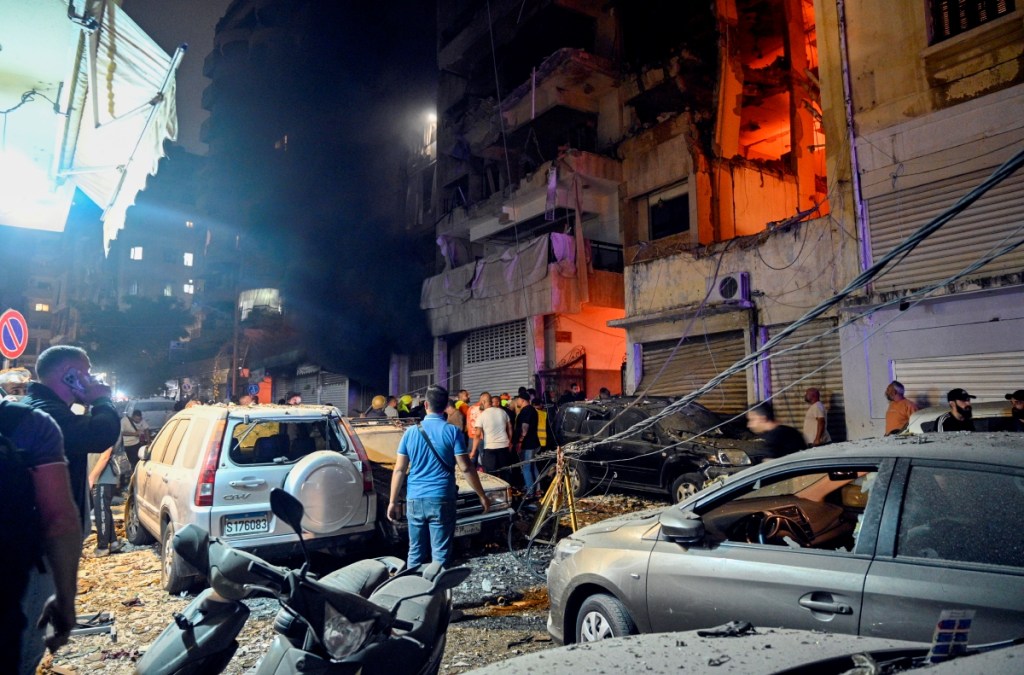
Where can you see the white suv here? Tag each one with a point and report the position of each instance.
(214, 466)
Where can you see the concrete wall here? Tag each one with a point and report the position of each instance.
(898, 76)
(551, 295)
(811, 261)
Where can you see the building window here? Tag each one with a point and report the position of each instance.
(665, 213)
(952, 17)
(187, 259)
(169, 290)
(189, 288)
(189, 224)
(133, 288)
(42, 307)
(135, 253)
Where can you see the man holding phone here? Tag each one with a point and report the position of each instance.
(63, 380)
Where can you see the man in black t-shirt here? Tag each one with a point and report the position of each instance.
(959, 416)
(525, 442)
(779, 440)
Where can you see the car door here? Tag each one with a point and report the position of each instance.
(164, 476)
(951, 539)
(733, 576)
(636, 459)
(146, 493)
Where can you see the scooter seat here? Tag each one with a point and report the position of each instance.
(423, 612)
(361, 578)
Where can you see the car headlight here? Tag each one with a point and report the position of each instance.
(733, 458)
(500, 499)
(341, 636)
(566, 548)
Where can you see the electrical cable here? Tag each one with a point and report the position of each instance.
(923, 295)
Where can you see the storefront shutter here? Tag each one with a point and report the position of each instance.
(988, 376)
(988, 223)
(334, 391)
(695, 362)
(495, 359)
(788, 368)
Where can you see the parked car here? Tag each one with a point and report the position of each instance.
(380, 438)
(215, 466)
(987, 416)
(155, 411)
(661, 459)
(763, 651)
(873, 538)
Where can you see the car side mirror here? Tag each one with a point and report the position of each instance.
(144, 453)
(682, 527)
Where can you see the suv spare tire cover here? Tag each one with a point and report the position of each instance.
(330, 488)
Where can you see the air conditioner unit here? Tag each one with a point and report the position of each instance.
(731, 288)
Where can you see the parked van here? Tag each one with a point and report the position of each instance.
(215, 466)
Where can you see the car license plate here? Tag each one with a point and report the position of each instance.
(246, 523)
(467, 529)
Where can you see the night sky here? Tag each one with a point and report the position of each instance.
(334, 225)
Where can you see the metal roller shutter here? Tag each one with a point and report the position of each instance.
(984, 225)
(787, 368)
(309, 387)
(697, 361)
(334, 391)
(988, 376)
(496, 360)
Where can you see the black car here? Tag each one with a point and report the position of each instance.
(660, 459)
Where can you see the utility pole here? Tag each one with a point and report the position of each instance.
(234, 347)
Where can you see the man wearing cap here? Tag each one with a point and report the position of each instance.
(1016, 400)
(959, 416)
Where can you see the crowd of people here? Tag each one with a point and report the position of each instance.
(502, 433)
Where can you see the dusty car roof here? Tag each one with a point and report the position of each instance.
(1004, 448)
(221, 410)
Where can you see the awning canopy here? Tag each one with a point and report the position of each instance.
(89, 101)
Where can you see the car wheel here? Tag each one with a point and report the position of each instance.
(685, 486)
(602, 617)
(579, 477)
(172, 576)
(133, 529)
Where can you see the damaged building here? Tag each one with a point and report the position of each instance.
(714, 171)
(678, 155)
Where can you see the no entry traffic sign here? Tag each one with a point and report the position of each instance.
(13, 334)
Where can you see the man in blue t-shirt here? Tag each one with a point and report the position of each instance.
(428, 454)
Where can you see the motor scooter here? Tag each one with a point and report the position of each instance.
(366, 617)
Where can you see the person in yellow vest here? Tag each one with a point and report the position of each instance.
(542, 423)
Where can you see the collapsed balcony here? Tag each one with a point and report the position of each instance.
(538, 277)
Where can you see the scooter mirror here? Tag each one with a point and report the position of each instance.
(192, 543)
(287, 507)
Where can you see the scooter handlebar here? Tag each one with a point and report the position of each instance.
(234, 572)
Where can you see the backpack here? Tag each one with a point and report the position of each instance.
(20, 521)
